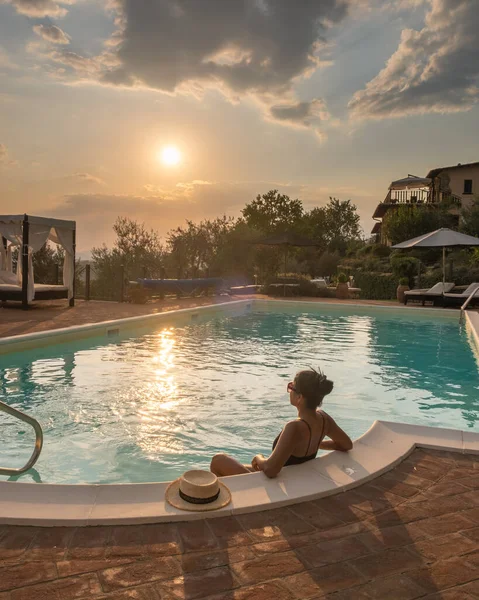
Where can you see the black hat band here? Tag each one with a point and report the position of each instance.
(193, 500)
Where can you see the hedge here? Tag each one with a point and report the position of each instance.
(376, 286)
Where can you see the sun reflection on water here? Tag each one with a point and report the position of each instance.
(159, 396)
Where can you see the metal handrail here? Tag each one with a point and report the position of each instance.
(464, 306)
(38, 438)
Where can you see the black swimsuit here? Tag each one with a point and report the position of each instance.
(298, 460)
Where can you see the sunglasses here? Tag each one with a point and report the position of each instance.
(290, 387)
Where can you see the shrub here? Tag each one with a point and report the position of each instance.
(327, 264)
(403, 281)
(342, 278)
(404, 266)
(381, 250)
(376, 286)
(137, 295)
(306, 288)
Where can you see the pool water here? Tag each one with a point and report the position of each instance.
(151, 406)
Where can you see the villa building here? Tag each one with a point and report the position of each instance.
(457, 185)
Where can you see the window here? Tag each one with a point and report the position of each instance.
(467, 186)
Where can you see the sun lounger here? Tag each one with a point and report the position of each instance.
(459, 299)
(434, 294)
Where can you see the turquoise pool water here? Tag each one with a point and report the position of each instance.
(148, 407)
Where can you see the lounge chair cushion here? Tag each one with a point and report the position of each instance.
(440, 288)
(474, 287)
(470, 288)
(436, 290)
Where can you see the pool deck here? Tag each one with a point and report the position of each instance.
(411, 533)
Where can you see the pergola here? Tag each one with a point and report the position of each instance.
(28, 234)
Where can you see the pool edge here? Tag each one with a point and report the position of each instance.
(379, 450)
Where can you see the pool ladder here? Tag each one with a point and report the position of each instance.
(464, 306)
(38, 438)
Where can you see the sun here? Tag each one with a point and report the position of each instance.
(170, 156)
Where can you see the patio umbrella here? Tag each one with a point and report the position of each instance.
(287, 240)
(444, 238)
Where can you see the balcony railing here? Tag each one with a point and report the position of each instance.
(408, 197)
(419, 197)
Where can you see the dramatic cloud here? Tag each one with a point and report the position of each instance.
(435, 69)
(247, 47)
(52, 33)
(40, 8)
(301, 114)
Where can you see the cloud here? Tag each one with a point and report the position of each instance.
(247, 45)
(301, 114)
(5, 160)
(40, 8)
(52, 33)
(245, 49)
(87, 178)
(434, 70)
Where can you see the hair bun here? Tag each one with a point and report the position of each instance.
(324, 384)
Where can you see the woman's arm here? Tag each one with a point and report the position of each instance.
(272, 465)
(339, 439)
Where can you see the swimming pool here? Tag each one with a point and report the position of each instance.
(153, 404)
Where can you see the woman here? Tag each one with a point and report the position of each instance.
(300, 440)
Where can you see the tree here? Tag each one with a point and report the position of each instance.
(136, 249)
(409, 221)
(47, 263)
(273, 212)
(140, 249)
(193, 250)
(470, 219)
(333, 226)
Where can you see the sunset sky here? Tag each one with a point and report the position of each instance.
(316, 98)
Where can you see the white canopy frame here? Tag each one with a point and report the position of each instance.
(30, 233)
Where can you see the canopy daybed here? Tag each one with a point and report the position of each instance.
(28, 234)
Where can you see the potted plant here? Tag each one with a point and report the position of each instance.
(402, 287)
(342, 289)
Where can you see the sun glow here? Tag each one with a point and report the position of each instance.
(170, 156)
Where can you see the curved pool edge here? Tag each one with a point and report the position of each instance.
(115, 327)
(379, 450)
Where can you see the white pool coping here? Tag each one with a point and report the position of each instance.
(380, 449)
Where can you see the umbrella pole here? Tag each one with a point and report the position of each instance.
(443, 267)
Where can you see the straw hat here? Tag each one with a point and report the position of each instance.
(198, 491)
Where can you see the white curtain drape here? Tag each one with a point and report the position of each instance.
(64, 237)
(14, 234)
(31, 281)
(37, 236)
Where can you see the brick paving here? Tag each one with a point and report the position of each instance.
(412, 533)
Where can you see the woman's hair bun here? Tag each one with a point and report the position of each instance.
(326, 387)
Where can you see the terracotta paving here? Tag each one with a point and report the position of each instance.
(55, 314)
(412, 533)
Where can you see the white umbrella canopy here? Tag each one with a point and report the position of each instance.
(410, 183)
(441, 238)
